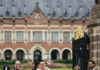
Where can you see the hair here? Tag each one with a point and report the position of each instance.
(76, 67)
(42, 61)
(36, 65)
(92, 62)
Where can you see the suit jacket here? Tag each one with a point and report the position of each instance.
(7, 68)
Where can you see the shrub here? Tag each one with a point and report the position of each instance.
(67, 61)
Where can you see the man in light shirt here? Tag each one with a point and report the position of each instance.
(91, 65)
(6, 67)
(43, 66)
(17, 65)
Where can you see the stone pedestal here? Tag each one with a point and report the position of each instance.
(94, 33)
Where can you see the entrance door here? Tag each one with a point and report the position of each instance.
(8, 54)
(37, 56)
(20, 55)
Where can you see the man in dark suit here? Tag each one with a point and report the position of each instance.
(6, 67)
(91, 65)
(17, 65)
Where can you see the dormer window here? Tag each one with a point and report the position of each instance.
(65, 14)
(69, 6)
(87, 14)
(1, 5)
(7, 13)
(19, 13)
(76, 14)
(80, 6)
(54, 14)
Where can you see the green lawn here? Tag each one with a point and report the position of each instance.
(53, 68)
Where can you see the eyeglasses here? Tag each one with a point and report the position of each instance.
(42, 64)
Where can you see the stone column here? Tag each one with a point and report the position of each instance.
(61, 56)
(94, 33)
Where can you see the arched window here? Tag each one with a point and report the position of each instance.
(76, 14)
(7, 13)
(54, 14)
(65, 14)
(19, 13)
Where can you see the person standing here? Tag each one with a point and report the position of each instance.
(6, 67)
(36, 66)
(17, 65)
(91, 65)
(43, 66)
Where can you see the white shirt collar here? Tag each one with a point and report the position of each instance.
(93, 69)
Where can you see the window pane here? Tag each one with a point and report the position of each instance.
(19, 36)
(66, 36)
(54, 36)
(8, 36)
(37, 36)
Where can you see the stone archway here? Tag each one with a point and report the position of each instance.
(66, 53)
(20, 55)
(8, 55)
(37, 47)
(37, 56)
(18, 52)
(55, 54)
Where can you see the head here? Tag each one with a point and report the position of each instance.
(77, 68)
(37, 65)
(91, 64)
(42, 64)
(17, 65)
(6, 64)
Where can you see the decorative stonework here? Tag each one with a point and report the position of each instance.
(94, 33)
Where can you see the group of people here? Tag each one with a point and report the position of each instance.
(91, 66)
(38, 66)
(42, 66)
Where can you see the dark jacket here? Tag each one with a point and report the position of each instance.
(7, 68)
(34, 69)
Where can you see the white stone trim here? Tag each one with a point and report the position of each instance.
(55, 48)
(20, 49)
(66, 48)
(8, 48)
(37, 47)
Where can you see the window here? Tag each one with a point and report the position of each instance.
(8, 36)
(29, 37)
(65, 14)
(37, 36)
(20, 36)
(87, 14)
(54, 36)
(76, 14)
(7, 13)
(66, 36)
(45, 36)
(19, 13)
(54, 14)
